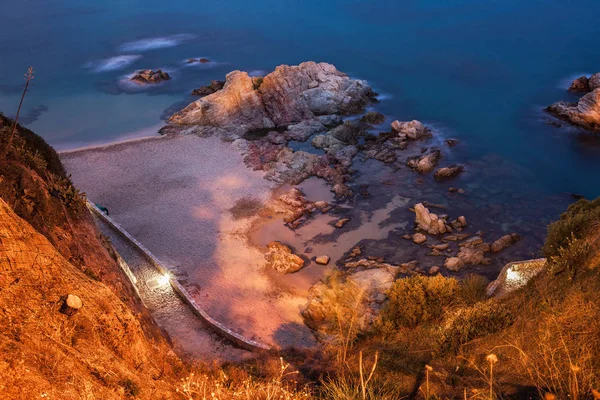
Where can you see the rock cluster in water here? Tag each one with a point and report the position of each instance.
(149, 76)
(586, 111)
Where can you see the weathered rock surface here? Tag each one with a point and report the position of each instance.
(323, 260)
(71, 304)
(149, 76)
(198, 60)
(584, 113)
(281, 258)
(214, 86)
(429, 222)
(449, 172)
(238, 104)
(414, 130)
(580, 84)
(288, 95)
(465, 257)
(505, 242)
(419, 238)
(426, 162)
(373, 117)
(515, 275)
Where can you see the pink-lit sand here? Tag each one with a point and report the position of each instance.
(174, 195)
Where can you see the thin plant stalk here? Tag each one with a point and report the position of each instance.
(28, 78)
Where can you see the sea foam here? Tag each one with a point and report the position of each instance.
(113, 63)
(155, 43)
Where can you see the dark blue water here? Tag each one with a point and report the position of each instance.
(480, 70)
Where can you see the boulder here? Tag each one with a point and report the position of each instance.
(505, 242)
(149, 76)
(71, 304)
(198, 60)
(466, 256)
(580, 84)
(515, 275)
(295, 93)
(414, 129)
(281, 258)
(426, 162)
(434, 270)
(419, 238)
(323, 260)
(449, 172)
(341, 222)
(429, 222)
(214, 86)
(584, 113)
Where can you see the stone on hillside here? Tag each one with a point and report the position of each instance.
(505, 242)
(71, 304)
(434, 270)
(281, 258)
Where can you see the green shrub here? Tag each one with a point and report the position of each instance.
(576, 221)
(470, 323)
(571, 257)
(418, 299)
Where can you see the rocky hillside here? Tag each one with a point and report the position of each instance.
(50, 248)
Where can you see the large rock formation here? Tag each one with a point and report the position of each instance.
(281, 258)
(238, 104)
(586, 111)
(429, 222)
(288, 95)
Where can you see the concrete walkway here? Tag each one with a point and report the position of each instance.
(189, 334)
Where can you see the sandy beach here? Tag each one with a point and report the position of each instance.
(174, 195)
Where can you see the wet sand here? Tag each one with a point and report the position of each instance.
(174, 195)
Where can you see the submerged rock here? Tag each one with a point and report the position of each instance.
(505, 242)
(426, 162)
(373, 117)
(449, 172)
(323, 260)
(149, 76)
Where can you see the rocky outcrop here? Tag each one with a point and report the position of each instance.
(505, 242)
(280, 258)
(238, 104)
(214, 86)
(414, 130)
(584, 113)
(426, 162)
(149, 76)
(288, 95)
(373, 117)
(429, 222)
(449, 172)
(198, 60)
(515, 275)
(580, 84)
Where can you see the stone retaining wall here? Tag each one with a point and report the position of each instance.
(216, 326)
